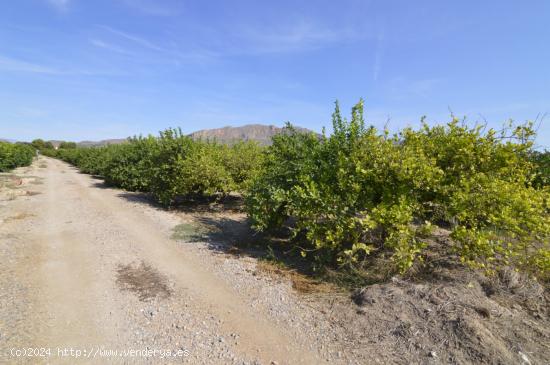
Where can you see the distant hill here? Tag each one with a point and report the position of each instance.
(101, 143)
(251, 132)
(55, 143)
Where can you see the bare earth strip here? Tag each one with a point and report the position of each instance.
(94, 272)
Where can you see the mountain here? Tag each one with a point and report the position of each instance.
(55, 143)
(101, 143)
(251, 132)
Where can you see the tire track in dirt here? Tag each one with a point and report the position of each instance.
(88, 254)
(258, 335)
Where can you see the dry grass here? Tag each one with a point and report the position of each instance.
(34, 180)
(300, 282)
(10, 181)
(19, 216)
(10, 195)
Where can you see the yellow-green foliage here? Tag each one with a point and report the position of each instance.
(169, 166)
(359, 190)
(541, 161)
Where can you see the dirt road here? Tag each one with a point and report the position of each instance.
(87, 270)
(91, 274)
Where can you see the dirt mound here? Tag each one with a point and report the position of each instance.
(459, 317)
(441, 313)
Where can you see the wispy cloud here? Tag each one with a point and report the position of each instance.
(171, 53)
(110, 47)
(136, 39)
(61, 5)
(11, 64)
(298, 36)
(16, 65)
(156, 7)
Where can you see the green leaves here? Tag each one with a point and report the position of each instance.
(359, 191)
(541, 164)
(170, 166)
(14, 155)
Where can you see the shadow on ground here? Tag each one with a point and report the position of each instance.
(222, 224)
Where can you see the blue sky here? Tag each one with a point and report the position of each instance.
(78, 69)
